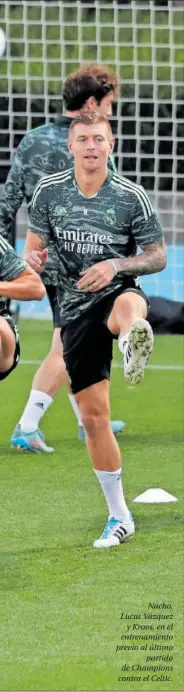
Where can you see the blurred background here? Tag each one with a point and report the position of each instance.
(143, 43)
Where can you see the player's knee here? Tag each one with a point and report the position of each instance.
(126, 303)
(131, 305)
(57, 364)
(94, 422)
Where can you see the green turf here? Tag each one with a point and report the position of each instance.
(61, 601)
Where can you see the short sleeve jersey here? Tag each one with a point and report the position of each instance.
(111, 223)
(10, 267)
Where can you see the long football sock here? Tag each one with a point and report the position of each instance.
(111, 485)
(37, 405)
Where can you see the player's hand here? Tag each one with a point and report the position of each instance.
(96, 277)
(37, 260)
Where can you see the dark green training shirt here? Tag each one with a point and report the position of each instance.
(43, 151)
(10, 267)
(84, 230)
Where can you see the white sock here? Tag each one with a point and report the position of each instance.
(36, 406)
(122, 341)
(75, 408)
(111, 485)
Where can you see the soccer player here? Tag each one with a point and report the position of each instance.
(44, 151)
(96, 221)
(20, 282)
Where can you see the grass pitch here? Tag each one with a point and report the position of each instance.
(61, 600)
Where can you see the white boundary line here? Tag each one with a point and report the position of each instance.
(115, 365)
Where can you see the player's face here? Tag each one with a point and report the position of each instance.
(91, 145)
(105, 105)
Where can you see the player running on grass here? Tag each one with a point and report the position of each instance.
(44, 151)
(20, 282)
(96, 221)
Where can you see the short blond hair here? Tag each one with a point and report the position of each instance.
(89, 118)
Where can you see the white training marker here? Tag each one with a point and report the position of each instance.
(155, 495)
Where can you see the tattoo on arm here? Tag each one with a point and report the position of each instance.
(152, 259)
(43, 241)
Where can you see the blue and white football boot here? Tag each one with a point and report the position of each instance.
(115, 533)
(32, 441)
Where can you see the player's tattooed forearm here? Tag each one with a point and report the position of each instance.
(152, 259)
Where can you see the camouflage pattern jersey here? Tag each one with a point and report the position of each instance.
(84, 230)
(10, 267)
(42, 151)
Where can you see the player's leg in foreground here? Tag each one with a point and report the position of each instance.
(135, 336)
(127, 318)
(9, 346)
(106, 459)
(87, 348)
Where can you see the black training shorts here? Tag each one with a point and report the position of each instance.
(87, 342)
(52, 296)
(16, 357)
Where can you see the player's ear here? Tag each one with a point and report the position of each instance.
(90, 104)
(112, 143)
(69, 145)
